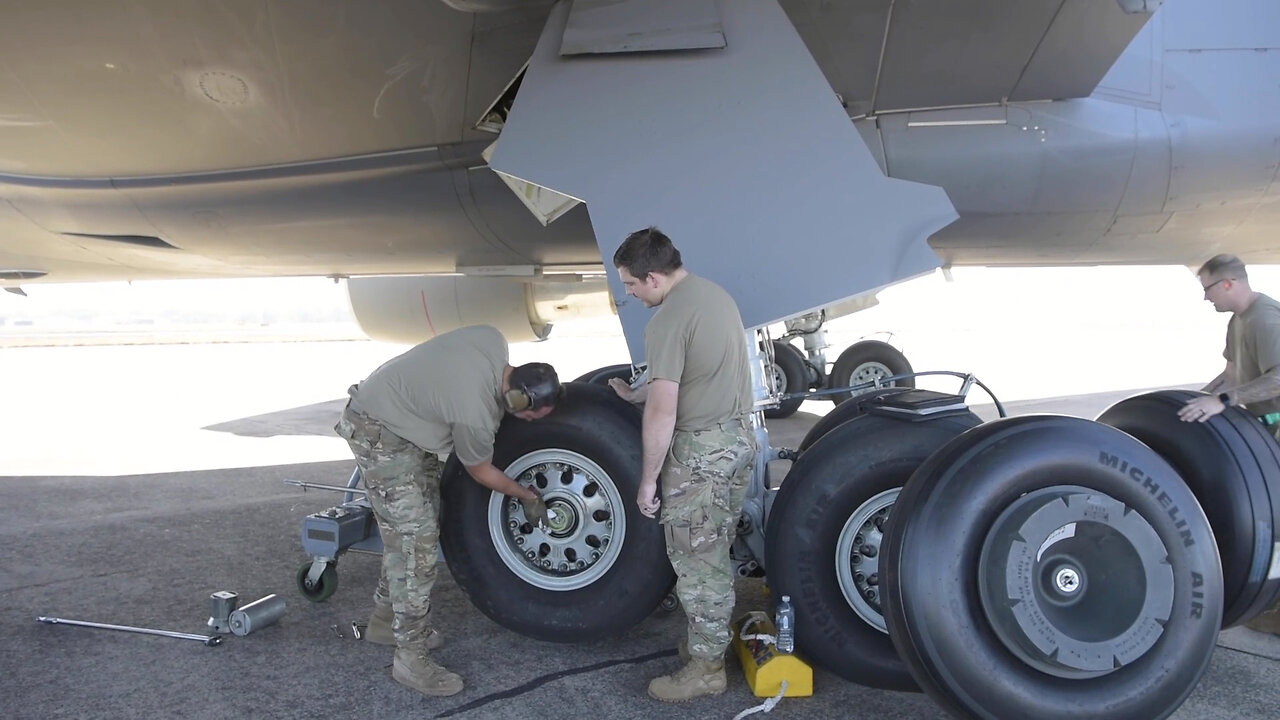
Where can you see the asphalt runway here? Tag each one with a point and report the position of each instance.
(138, 481)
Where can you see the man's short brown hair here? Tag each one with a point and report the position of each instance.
(647, 251)
(1224, 266)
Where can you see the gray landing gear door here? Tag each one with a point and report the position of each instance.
(741, 153)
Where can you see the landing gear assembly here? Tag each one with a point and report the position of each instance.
(866, 361)
(1039, 566)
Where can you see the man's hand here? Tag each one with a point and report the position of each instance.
(1201, 409)
(648, 499)
(535, 509)
(624, 390)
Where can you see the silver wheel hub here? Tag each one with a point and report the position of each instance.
(585, 527)
(779, 378)
(858, 557)
(869, 372)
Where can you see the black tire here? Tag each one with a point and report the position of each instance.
(838, 492)
(601, 376)
(324, 588)
(1229, 463)
(1135, 640)
(844, 412)
(609, 566)
(868, 360)
(792, 376)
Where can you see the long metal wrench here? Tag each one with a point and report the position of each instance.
(209, 640)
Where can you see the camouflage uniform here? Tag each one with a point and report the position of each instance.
(704, 482)
(403, 481)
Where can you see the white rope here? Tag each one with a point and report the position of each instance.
(766, 706)
(769, 704)
(764, 637)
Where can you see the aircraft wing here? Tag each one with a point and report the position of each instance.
(187, 139)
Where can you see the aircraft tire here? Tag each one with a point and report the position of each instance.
(600, 566)
(1231, 464)
(1051, 567)
(845, 412)
(789, 368)
(602, 375)
(833, 503)
(867, 360)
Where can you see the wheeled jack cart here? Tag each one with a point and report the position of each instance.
(327, 534)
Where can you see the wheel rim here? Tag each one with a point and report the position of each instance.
(858, 557)
(1039, 563)
(779, 378)
(869, 372)
(583, 541)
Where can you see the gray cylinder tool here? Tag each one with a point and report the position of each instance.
(221, 605)
(257, 615)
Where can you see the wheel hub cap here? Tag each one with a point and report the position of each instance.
(1075, 583)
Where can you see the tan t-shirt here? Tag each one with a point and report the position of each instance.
(696, 339)
(1253, 344)
(443, 395)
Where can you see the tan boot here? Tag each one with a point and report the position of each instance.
(414, 669)
(1267, 622)
(696, 679)
(379, 632)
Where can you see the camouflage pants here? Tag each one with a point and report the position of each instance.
(403, 481)
(704, 481)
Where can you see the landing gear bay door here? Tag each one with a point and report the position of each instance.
(717, 126)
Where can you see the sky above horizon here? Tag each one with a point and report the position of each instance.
(1035, 285)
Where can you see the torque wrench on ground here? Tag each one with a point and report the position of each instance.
(206, 639)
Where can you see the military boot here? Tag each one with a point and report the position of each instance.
(414, 669)
(1267, 622)
(696, 679)
(379, 632)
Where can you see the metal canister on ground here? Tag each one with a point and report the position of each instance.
(257, 614)
(221, 605)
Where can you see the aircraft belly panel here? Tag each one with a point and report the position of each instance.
(1223, 111)
(155, 87)
(742, 155)
(1221, 24)
(1147, 189)
(1067, 157)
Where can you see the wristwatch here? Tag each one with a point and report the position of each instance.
(1225, 399)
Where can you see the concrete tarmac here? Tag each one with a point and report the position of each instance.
(147, 547)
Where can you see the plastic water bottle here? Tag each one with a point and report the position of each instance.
(785, 620)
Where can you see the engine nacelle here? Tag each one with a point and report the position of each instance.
(412, 308)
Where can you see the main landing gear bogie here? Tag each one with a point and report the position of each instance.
(1041, 566)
